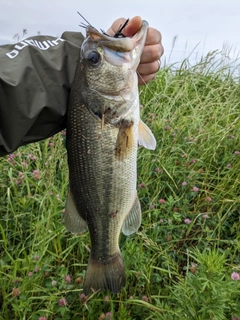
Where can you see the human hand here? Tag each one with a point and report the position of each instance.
(152, 52)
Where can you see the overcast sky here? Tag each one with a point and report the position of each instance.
(207, 24)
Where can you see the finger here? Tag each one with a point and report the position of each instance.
(151, 53)
(153, 36)
(148, 68)
(131, 28)
(115, 26)
(142, 79)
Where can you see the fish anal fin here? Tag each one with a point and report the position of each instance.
(145, 136)
(133, 220)
(103, 275)
(72, 219)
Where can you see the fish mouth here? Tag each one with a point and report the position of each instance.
(125, 44)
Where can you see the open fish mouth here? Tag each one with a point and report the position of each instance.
(125, 44)
(118, 50)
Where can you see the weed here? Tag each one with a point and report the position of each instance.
(184, 262)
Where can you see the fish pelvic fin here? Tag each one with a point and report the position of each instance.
(72, 219)
(146, 137)
(133, 220)
(105, 275)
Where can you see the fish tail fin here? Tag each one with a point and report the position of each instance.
(105, 275)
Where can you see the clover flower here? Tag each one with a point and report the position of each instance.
(67, 279)
(187, 221)
(235, 276)
(62, 302)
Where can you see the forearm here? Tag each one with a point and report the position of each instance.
(35, 80)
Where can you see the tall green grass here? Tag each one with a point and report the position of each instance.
(182, 262)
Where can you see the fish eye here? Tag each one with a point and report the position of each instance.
(94, 57)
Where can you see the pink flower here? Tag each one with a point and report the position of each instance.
(145, 298)
(54, 283)
(30, 274)
(51, 144)
(35, 174)
(62, 302)
(228, 165)
(187, 221)
(237, 152)
(24, 163)
(67, 279)
(184, 183)
(205, 216)
(208, 199)
(195, 189)
(30, 156)
(141, 185)
(16, 292)
(36, 269)
(161, 220)
(83, 298)
(235, 276)
(108, 316)
(162, 201)
(10, 158)
(42, 318)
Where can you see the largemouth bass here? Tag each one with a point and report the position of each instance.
(103, 133)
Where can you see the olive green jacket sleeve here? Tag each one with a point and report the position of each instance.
(35, 80)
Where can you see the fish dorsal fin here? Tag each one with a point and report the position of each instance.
(72, 219)
(146, 137)
(133, 220)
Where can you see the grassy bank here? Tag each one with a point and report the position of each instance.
(185, 260)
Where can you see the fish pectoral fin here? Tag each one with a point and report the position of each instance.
(72, 219)
(133, 220)
(146, 137)
(125, 139)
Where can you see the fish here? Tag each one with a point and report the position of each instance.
(104, 130)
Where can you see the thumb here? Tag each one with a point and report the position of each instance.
(131, 28)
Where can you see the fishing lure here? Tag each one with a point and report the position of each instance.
(118, 34)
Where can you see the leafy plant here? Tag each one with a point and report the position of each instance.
(184, 262)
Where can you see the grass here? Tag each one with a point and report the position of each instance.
(183, 261)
